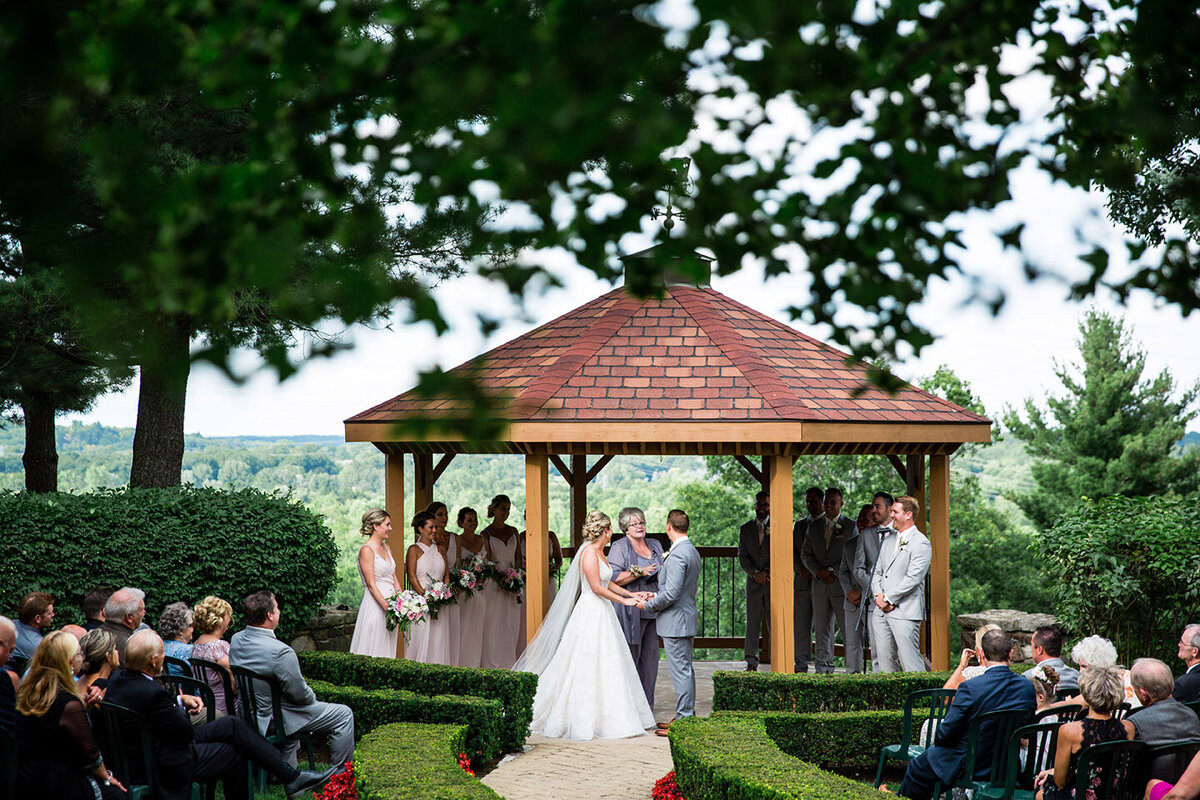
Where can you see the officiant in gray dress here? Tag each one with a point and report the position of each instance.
(635, 561)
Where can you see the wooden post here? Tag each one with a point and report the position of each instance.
(393, 498)
(939, 568)
(579, 507)
(916, 488)
(537, 542)
(783, 634)
(422, 480)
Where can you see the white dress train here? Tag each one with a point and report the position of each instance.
(590, 687)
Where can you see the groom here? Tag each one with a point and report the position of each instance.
(675, 605)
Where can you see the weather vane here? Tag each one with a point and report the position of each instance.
(680, 186)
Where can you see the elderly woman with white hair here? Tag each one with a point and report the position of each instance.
(635, 560)
(1096, 651)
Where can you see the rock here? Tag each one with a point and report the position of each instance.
(304, 644)
(1010, 620)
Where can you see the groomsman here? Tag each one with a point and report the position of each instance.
(898, 590)
(754, 556)
(858, 564)
(852, 607)
(814, 500)
(822, 556)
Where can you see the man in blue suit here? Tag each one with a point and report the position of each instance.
(997, 688)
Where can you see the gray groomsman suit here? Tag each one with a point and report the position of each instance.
(675, 605)
(858, 559)
(754, 556)
(828, 599)
(258, 650)
(900, 575)
(802, 597)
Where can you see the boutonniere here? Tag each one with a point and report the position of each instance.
(901, 541)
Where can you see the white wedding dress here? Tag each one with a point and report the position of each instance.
(588, 686)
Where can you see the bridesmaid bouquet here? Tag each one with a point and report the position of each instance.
(438, 596)
(406, 609)
(512, 580)
(478, 565)
(465, 582)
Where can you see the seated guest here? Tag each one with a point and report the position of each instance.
(1096, 651)
(34, 615)
(1162, 718)
(1186, 788)
(58, 758)
(9, 679)
(1187, 685)
(175, 627)
(75, 630)
(965, 669)
(1045, 683)
(997, 688)
(123, 613)
(211, 618)
(1046, 648)
(99, 660)
(184, 753)
(93, 606)
(1102, 691)
(255, 648)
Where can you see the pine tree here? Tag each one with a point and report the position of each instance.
(1111, 432)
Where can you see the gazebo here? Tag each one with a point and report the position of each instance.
(692, 372)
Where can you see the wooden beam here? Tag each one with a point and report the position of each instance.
(898, 465)
(422, 480)
(393, 498)
(748, 465)
(537, 542)
(939, 568)
(915, 485)
(783, 634)
(443, 462)
(562, 469)
(579, 507)
(595, 470)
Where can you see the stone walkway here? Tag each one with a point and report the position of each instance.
(620, 769)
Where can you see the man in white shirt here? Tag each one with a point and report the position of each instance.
(898, 591)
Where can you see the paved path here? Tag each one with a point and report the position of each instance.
(620, 769)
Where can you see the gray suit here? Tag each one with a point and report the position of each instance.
(1068, 677)
(859, 554)
(257, 649)
(754, 556)
(900, 576)
(828, 599)
(802, 596)
(1163, 721)
(675, 605)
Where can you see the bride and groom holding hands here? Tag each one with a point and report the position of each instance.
(588, 686)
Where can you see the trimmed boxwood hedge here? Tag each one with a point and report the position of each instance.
(731, 757)
(513, 690)
(406, 761)
(175, 544)
(841, 741)
(805, 693)
(374, 707)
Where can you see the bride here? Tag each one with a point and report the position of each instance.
(588, 686)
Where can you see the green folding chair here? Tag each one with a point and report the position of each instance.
(1006, 721)
(249, 706)
(1041, 748)
(128, 749)
(1168, 760)
(1121, 767)
(930, 705)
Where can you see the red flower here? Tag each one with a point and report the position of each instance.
(464, 761)
(341, 786)
(666, 788)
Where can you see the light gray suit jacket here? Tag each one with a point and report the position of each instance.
(257, 649)
(859, 555)
(900, 574)
(675, 602)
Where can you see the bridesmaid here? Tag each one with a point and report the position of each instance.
(641, 634)
(502, 622)
(377, 569)
(447, 542)
(471, 618)
(424, 561)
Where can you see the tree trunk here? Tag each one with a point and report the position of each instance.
(41, 450)
(162, 397)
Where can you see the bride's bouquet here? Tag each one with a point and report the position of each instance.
(406, 609)
(438, 596)
(512, 580)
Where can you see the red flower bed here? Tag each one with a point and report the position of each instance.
(666, 788)
(464, 761)
(341, 786)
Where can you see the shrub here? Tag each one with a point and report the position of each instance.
(513, 690)
(848, 740)
(731, 757)
(405, 761)
(1126, 568)
(374, 707)
(175, 544)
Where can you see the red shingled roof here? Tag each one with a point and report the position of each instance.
(695, 354)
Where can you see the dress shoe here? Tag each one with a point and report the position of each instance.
(307, 780)
(663, 732)
(751, 668)
(662, 726)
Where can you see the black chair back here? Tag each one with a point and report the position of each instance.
(1118, 766)
(1057, 715)
(924, 705)
(211, 672)
(128, 750)
(1041, 742)
(1194, 705)
(1168, 760)
(1065, 694)
(181, 684)
(8, 763)
(1003, 723)
(177, 666)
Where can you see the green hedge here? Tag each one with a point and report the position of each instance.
(807, 693)
(405, 761)
(842, 741)
(175, 544)
(731, 757)
(375, 707)
(513, 690)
